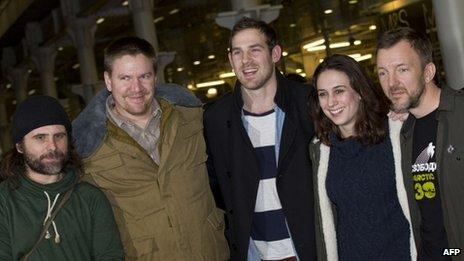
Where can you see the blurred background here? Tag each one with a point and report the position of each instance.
(55, 47)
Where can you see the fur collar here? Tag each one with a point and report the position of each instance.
(327, 215)
(89, 128)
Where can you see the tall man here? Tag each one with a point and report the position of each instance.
(148, 155)
(42, 177)
(258, 162)
(432, 140)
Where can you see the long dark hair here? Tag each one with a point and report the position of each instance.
(373, 108)
(14, 166)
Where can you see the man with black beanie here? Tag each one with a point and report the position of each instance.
(46, 213)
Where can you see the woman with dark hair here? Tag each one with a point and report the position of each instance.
(360, 198)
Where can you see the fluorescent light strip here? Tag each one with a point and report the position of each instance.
(364, 57)
(315, 43)
(226, 75)
(208, 84)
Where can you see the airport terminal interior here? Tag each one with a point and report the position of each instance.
(55, 47)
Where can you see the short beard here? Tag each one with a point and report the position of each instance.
(50, 169)
(412, 102)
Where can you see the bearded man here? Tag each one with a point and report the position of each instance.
(46, 213)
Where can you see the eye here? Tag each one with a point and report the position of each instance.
(321, 94)
(381, 73)
(40, 137)
(146, 76)
(255, 50)
(236, 52)
(338, 91)
(61, 135)
(403, 69)
(125, 78)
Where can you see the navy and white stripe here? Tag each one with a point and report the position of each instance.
(269, 230)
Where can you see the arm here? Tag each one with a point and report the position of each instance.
(5, 245)
(106, 240)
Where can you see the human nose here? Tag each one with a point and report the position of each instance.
(245, 57)
(392, 80)
(331, 100)
(51, 144)
(136, 84)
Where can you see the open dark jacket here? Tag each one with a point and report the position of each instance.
(450, 159)
(234, 170)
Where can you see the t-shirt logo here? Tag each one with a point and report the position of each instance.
(424, 174)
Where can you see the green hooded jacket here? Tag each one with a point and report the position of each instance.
(85, 224)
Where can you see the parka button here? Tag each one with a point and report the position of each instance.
(229, 175)
(234, 246)
(231, 211)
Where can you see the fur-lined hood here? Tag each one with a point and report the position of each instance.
(89, 128)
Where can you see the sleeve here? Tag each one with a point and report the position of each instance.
(106, 239)
(5, 243)
(213, 180)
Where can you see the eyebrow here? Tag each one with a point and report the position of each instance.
(251, 46)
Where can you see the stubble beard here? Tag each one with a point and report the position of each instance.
(260, 83)
(49, 169)
(413, 100)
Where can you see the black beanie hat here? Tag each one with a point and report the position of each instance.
(35, 112)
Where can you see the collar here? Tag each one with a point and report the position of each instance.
(122, 121)
(69, 179)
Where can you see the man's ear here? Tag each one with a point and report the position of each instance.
(276, 53)
(107, 77)
(19, 148)
(429, 72)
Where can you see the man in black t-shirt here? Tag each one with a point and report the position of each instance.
(432, 142)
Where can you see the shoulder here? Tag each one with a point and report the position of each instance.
(89, 192)
(218, 108)
(177, 95)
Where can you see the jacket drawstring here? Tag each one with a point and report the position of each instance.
(49, 215)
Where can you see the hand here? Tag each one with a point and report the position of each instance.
(398, 116)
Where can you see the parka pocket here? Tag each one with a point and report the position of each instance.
(214, 245)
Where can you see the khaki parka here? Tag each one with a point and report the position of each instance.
(164, 212)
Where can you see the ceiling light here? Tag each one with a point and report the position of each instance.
(14, 102)
(321, 60)
(125, 3)
(211, 56)
(158, 19)
(357, 42)
(196, 62)
(372, 27)
(75, 66)
(298, 70)
(284, 53)
(60, 48)
(315, 43)
(180, 69)
(292, 25)
(355, 55)
(31, 92)
(56, 79)
(208, 84)
(363, 57)
(328, 11)
(339, 45)
(100, 20)
(29, 71)
(353, 1)
(174, 11)
(316, 48)
(212, 91)
(190, 87)
(8, 86)
(226, 75)
(303, 74)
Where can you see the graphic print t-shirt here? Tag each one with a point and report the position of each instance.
(426, 189)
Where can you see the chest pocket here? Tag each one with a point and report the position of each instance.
(129, 182)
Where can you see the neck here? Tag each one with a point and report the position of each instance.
(428, 102)
(347, 132)
(260, 100)
(42, 178)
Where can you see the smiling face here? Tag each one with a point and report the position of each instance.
(132, 84)
(401, 75)
(45, 150)
(251, 59)
(338, 100)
